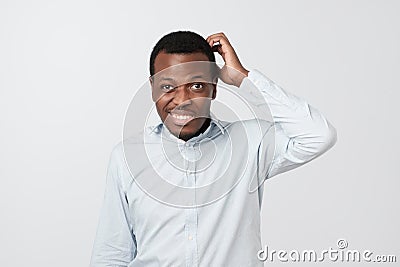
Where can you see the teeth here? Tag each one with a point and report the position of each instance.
(181, 117)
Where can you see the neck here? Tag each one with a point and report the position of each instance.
(202, 129)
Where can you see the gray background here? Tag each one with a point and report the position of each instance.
(68, 70)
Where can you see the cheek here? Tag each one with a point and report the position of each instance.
(202, 104)
(160, 96)
(160, 106)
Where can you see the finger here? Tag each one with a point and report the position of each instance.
(221, 34)
(217, 34)
(223, 47)
(216, 37)
(211, 36)
(217, 48)
(220, 40)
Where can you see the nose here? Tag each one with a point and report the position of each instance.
(182, 96)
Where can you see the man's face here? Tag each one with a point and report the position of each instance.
(182, 90)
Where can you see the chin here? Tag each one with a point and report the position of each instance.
(187, 131)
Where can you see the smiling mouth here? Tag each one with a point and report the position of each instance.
(181, 118)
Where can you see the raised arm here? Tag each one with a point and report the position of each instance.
(302, 133)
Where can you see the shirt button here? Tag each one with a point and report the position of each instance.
(190, 237)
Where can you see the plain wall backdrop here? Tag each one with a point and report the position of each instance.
(68, 70)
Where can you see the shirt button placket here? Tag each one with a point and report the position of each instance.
(191, 213)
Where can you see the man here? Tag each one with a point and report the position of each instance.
(208, 217)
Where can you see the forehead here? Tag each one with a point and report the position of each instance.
(178, 66)
(164, 60)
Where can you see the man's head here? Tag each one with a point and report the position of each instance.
(183, 79)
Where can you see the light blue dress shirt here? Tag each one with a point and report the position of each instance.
(137, 229)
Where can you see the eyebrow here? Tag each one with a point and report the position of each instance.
(171, 79)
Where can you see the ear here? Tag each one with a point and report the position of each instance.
(214, 93)
(215, 81)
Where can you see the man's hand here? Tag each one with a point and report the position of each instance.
(232, 72)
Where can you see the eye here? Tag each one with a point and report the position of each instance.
(167, 87)
(196, 86)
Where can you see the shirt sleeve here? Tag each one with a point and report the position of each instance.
(301, 132)
(115, 243)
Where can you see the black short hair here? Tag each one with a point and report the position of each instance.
(181, 42)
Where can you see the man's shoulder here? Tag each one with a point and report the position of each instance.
(135, 142)
(117, 153)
